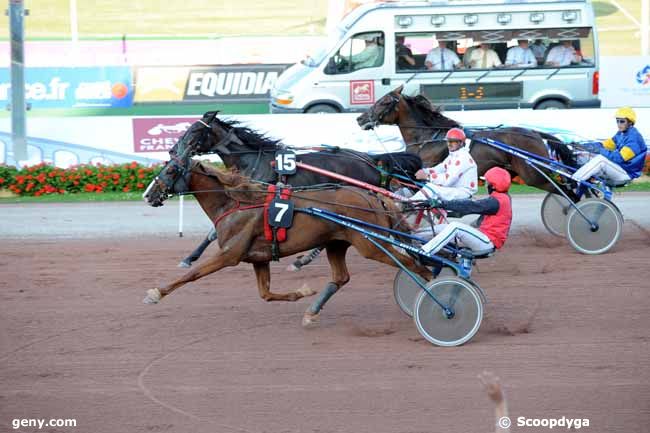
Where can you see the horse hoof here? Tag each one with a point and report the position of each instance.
(305, 291)
(153, 297)
(184, 264)
(293, 268)
(310, 320)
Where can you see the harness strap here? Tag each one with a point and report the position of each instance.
(236, 209)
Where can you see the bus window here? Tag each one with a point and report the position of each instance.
(363, 50)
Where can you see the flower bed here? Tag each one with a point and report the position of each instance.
(45, 178)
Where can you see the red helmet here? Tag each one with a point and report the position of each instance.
(455, 134)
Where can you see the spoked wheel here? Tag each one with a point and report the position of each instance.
(555, 209)
(601, 232)
(465, 303)
(406, 290)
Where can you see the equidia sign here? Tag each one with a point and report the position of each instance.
(233, 83)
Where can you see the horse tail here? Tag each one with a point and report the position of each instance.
(403, 163)
(558, 146)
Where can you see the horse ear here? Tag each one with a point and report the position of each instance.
(399, 89)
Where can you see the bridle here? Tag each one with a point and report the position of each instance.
(376, 118)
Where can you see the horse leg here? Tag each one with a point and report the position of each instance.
(304, 260)
(263, 275)
(336, 256)
(194, 255)
(224, 258)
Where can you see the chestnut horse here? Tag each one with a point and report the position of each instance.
(235, 205)
(423, 128)
(252, 153)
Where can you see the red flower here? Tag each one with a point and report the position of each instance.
(89, 187)
(134, 165)
(140, 185)
(2, 180)
(126, 189)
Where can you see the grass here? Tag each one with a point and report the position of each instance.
(173, 18)
(7, 198)
(150, 110)
(103, 19)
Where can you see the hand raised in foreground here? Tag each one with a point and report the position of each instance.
(491, 384)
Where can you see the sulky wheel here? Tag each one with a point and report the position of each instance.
(555, 208)
(600, 231)
(406, 290)
(462, 298)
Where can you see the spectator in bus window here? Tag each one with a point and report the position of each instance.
(563, 55)
(372, 55)
(467, 55)
(521, 56)
(539, 49)
(403, 54)
(484, 57)
(442, 58)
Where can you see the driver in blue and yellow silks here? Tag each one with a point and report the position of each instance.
(622, 157)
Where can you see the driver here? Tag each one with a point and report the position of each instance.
(622, 157)
(455, 177)
(493, 225)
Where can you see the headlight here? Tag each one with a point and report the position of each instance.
(282, 98)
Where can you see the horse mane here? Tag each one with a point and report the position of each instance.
(253, 139)
(428, 114)
(235, 185)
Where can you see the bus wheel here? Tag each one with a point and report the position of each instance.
(322, 108)
(551, 104)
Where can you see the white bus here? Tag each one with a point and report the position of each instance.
(360, 62)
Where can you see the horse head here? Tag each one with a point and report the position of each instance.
(208, 135)
(383, 112)
(173, 178)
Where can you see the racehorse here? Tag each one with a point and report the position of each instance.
(252, 154)
(235, 205)
(423, 128)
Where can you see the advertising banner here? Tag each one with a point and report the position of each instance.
(73, 87)
(159, 134)
(625, 81)
(232, 83)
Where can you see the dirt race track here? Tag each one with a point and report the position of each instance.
(567, 334)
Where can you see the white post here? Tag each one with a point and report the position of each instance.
(645, 27)
(74, 30)
(180, 215)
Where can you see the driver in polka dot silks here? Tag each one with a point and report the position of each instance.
(454, 178)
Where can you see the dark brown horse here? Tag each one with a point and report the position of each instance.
(234, 204)
(423, 128)
(251, 153)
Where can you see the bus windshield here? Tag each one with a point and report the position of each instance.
(316, 58)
